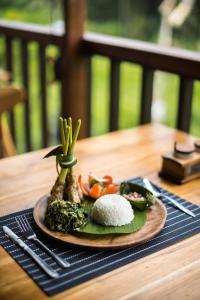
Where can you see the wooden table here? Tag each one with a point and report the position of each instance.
(173, 273)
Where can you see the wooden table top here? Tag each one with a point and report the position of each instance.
(172, 273)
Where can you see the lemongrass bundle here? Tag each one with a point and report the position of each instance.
(65, 187)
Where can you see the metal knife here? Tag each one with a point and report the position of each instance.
(43, 265)
(158, 194)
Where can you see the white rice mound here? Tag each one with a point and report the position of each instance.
(112, 210)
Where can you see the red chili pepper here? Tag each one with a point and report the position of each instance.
(83, 189)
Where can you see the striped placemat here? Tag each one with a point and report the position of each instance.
(90, 263)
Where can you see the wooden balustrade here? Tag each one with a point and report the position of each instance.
(177, 61)
(25, 34)
(31, 32)
(76, 50)
(151, 57)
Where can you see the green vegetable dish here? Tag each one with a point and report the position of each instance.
(65, 216)
(69, 210)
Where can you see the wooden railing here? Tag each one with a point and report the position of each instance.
(26, 33)
(151, 57)
(76, 50)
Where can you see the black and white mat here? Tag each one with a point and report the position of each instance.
(89, 263)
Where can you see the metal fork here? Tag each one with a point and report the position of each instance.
(29, 234)
(157, 193)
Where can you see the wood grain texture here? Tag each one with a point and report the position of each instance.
(172, 273)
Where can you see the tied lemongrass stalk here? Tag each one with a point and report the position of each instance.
(65, 187)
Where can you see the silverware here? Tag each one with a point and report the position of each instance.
(29, 234)
(156, 192)
(43, 265)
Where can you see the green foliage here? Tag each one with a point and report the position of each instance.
(27, 11)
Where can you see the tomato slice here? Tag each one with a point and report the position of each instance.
(109, 180)
(95, 191)
(110, 189)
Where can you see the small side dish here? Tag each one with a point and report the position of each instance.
(139, 196)
(99, 207)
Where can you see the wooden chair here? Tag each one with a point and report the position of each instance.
(9, 97)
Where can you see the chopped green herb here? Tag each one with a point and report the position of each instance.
(65, 216)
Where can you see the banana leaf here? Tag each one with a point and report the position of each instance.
(91, 227)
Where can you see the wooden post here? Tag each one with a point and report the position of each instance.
(185, 104)
(114, 95)
(146, 95)
(74, 65)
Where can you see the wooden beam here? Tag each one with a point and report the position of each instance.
(31, 32)
(74, 65)
(178, 61)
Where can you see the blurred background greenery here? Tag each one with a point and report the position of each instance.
(137, 19)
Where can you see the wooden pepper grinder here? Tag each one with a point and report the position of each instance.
(183, 150)
(183, 164)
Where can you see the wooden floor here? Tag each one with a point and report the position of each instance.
(173, 273)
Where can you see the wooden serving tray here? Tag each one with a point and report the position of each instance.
(156, 217)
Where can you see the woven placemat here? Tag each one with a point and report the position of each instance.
(90, 263)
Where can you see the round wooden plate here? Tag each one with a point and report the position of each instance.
(156, 217)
